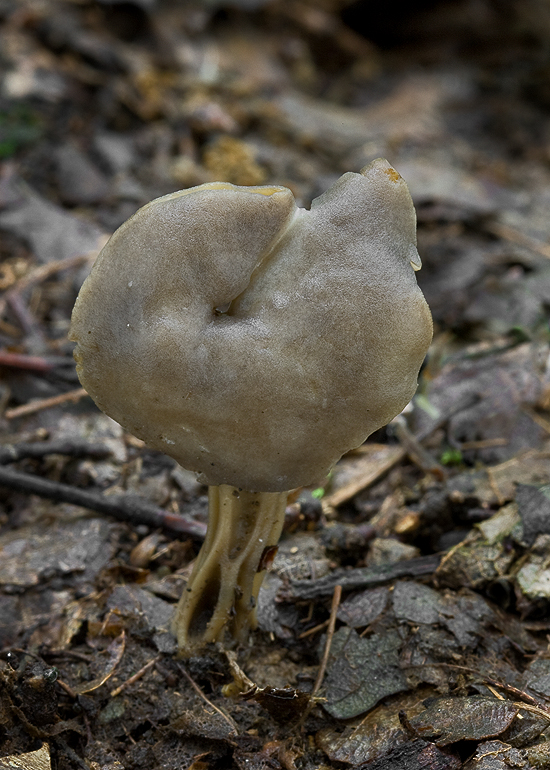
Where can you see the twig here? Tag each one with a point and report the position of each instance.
(22, 361)
(529, 699)
(534, 710)
(319, 22)
(392, 456)
(337, 595)
(135, 677)
(240, 680)
(541, 421)
(43, 272)
(122, 507)
(10, 453)
(200, 693)
(66, 654)
(67, 688)
(359, 578)
(113, 654)
(316, 628)
(344, 494)
(526, 706)
(45, 403)
(522, 239)
(485, 443)
(8, 328)
(415, 451)
(25, 317)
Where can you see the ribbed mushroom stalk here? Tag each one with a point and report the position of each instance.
(255, 343)
(243, 531)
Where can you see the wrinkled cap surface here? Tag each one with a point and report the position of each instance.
(253, 341)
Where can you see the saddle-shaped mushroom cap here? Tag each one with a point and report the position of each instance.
(253, 341)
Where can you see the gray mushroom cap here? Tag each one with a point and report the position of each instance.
(253, 341)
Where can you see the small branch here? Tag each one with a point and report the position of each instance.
(121, 507)
(200, 693)
(67, 688)
(53, 653)
(136, 677)
(10, 453)
(534, 710)
(395, 455)
(45, 403)
(541, 421)
(522, 239)
(23, 361)
(360, 578)
(43, 272)
(337, 595)
(524, 696)
(314, 630)
(26, 319)
(415, 451)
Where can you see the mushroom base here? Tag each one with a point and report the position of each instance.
(243, 532)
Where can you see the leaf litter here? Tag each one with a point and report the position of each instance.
(436, 529)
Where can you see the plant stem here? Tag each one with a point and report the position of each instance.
(226, 579)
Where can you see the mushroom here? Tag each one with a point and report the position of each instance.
(254, 342)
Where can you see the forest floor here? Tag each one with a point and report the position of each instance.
(419, 572)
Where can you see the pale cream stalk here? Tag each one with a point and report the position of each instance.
(224, 584)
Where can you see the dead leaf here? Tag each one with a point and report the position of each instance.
(417, 755)
(360, 610)
(497, 755)
(374, 736)
(534, 510)
(51, 232)
(533, 577)
(497, 387)
(33, 760)
(361, 671)
(284, 704)
(357, 471)
(31, 554)
(448, 720)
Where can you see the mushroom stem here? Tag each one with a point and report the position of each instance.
(224, 584)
